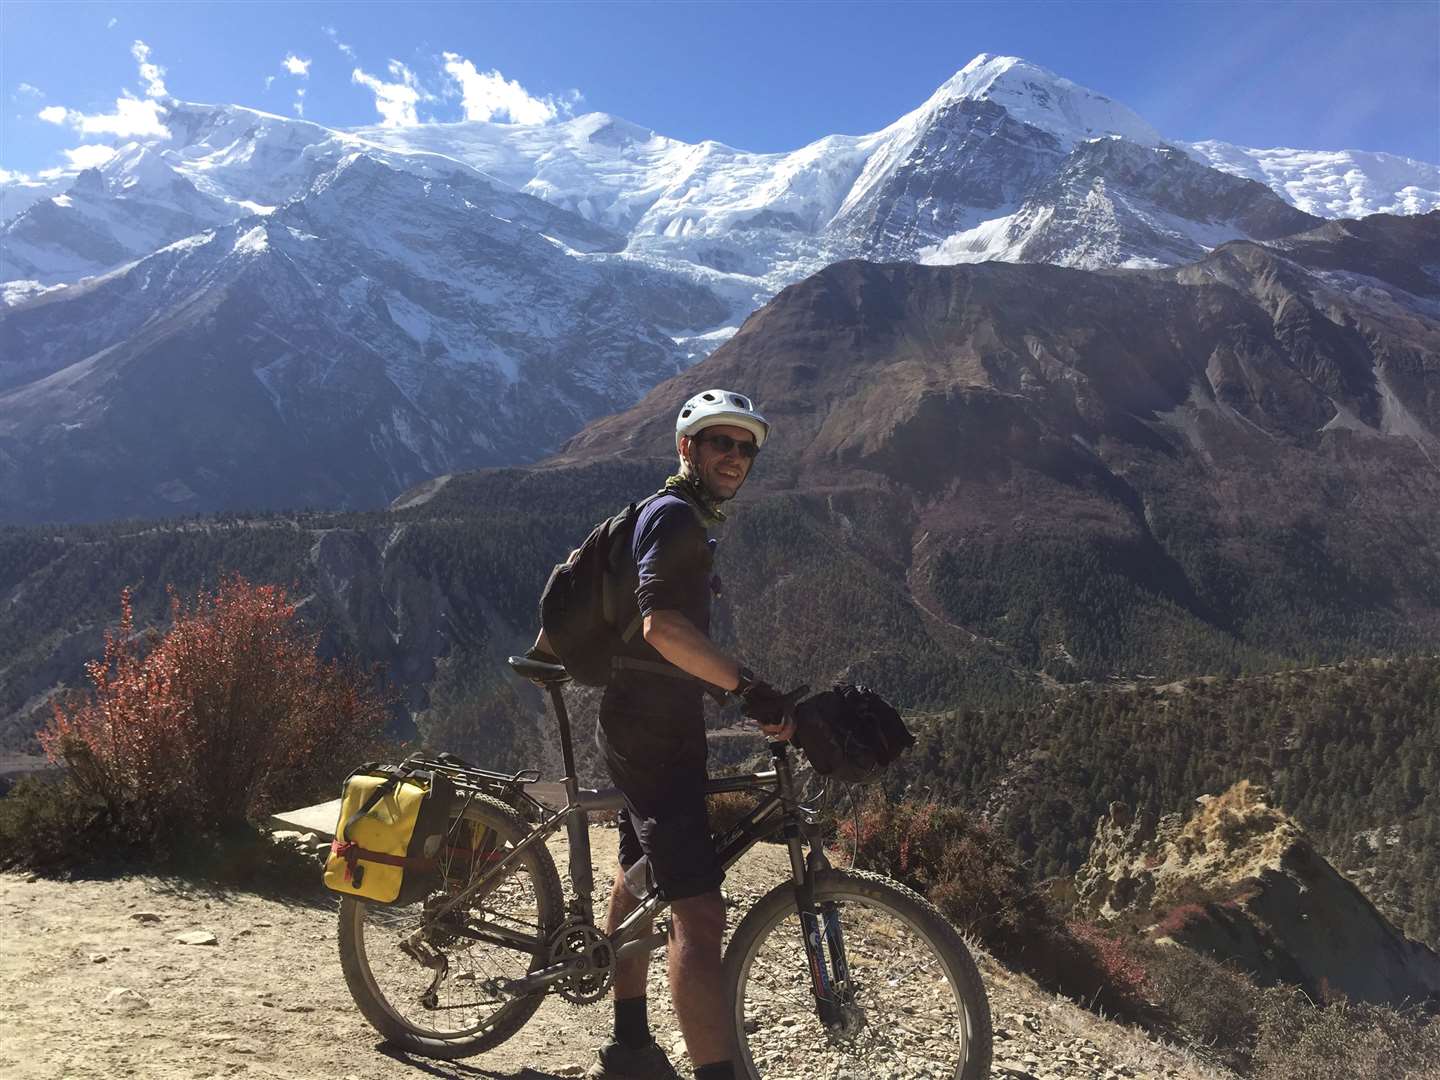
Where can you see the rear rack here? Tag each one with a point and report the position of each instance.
(509, 788)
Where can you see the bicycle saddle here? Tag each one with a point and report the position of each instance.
(539, 671)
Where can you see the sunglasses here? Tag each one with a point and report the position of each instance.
(724, 444)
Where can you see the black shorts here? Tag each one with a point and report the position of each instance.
(658, 763)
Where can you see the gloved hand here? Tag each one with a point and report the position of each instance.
(769, 707)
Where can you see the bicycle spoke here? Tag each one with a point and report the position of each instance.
(437, 977)
(903, 1021)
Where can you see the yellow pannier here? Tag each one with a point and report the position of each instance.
(391, 829)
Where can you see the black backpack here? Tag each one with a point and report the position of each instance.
(850, 733)
(588, 608)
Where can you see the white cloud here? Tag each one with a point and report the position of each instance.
(395, 101)
(112, 23)
(295, 66)
(8, 177)
(26, 90)
(335, 37)
(152, 75)
(490, 96)
(132, 118)
(268, 80)
(89, 156)
(300, 102)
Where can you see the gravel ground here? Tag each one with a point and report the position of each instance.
(95, 983)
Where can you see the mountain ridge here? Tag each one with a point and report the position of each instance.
(494, 298)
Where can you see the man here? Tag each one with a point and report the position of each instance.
(652, 734)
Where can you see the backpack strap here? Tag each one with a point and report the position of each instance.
(631, 514)
(627, 634)
(652, 667)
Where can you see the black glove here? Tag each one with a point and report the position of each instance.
(764, 704)
(761, 702)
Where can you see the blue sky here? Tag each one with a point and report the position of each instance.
(760, 76)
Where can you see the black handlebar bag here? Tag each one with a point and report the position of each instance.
(850, 733)
(392, 826)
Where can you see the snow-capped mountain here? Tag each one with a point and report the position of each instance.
(135, 204)
(387, 304)
(1333, 184)
(1115, 203)
(378, 330)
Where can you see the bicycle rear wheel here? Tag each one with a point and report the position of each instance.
(912, 1006)
(392, 971)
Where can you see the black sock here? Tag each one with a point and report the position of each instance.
(632, 1024)
(720, 1070)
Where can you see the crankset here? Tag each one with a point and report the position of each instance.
(580, 941)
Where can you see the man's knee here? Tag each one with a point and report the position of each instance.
(699, 919)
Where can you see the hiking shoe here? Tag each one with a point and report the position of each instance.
(621, 1062)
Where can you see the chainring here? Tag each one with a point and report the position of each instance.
(579, 939)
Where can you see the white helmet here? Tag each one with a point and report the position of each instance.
(711, 407)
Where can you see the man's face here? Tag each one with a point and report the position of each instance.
(721, 471)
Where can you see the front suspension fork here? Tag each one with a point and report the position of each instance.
(819, 923)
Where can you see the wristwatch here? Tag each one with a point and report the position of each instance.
(747, 680)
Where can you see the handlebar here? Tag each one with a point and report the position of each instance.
(793, 698)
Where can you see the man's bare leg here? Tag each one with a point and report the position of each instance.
(696, 985)
(630, 972)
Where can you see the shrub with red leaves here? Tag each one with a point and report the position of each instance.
(1121, 967)
(971, 874)
(229, 712)
(1180, 918)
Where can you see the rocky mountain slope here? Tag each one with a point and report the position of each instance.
(1022, 474)
(312, 357)
(1344, 749)
(1241, 882)
(1115, 442)
(346, 313)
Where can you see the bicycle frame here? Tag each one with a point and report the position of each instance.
(778, 810)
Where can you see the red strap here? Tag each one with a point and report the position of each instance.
(352, 852)
(349, 851)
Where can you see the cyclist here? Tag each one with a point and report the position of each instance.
(652, 736)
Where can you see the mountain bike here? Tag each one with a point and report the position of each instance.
(833, 973)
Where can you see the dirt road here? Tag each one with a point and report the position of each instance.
(96, 984)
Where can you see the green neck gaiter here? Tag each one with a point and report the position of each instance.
(694, 492)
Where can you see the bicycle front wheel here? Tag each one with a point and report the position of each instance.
(429, 984)
(908, 1000)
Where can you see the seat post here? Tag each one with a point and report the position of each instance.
(567, 749)
(582, 877)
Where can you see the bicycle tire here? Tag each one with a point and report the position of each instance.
(899, 949)
(386, 983)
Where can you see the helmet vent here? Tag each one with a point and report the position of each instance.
(708, 397)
